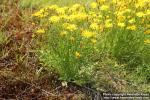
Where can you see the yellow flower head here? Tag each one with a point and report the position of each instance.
(131, 27)
(54, 19)
(104, 7)
(147, 13)
(131, 21)
(63, 33)
(76, 7)
(114, 1)
(77, 17)
(60, 10)
(93, 5)
(147, 32)
(93, 41)
(94, 26)
(148, 25)
(140, 14)
(121, 25)
(147, 41)
(82, 16)
(64, 17)
(108, 23)
(87, 34)
(40, 31)
(121, 18)
(42, 13)
(70, 27)
(77, 54)
(127, 10)
(140, 4)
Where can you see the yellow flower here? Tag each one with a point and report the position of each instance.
(104, 7)
(82, 16)
(93, 5)
(42, 13)
(119, 13)
(131, 27)
(128, 17)
(140, 14)
(114, 1)
(140, 4)
(70, 27)
(76, 7)
(131, 21)
(77, 17)
(127, 10)
(147, 32)
(40, 31)
(148, 25)
(147, 41)
(60, 10)
(121, 18)
(93, 41)
(147, 12)
(121, 24)
(94, 20)
(63, 33)
(107, 17)
(87, 34)
(77, 54)
(63, 17)
(94, 26)
(54, 19)
(101, 28)
(71, 17)
(108, 23)
(92, 13)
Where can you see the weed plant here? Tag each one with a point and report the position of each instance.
(72, 35)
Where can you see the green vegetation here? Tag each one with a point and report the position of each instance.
(69, 32)
(101, 43)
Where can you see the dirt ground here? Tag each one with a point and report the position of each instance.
(19, 65)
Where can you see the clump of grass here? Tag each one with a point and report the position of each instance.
(72, 35)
